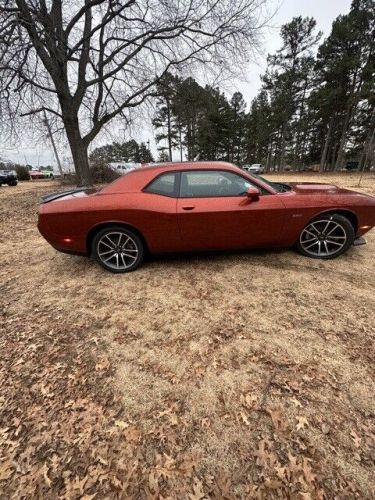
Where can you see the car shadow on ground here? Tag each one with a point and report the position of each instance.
(264, 257)
(282, 259)
(213, 256)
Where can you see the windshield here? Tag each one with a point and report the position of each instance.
(280, 187)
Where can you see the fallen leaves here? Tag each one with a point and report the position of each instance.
(44, 471)
(249, 400)
(301, 423)
(205, 423)
(356, 439)
(264, 455)
(296, 402)
(278, 419)
(294, 475)
(102, 364)
(245, 418)
(6, 470)
(230, 412)
(198, 491)
(325, 428)
(132, 434)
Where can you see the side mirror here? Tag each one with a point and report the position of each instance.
(253, 194)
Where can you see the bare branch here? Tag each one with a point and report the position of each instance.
(39, 110)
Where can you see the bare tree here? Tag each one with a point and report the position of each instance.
(89, 61)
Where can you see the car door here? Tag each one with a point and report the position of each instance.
(157, 216)
(214, 212)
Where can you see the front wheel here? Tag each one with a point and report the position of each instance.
(326, 237)
(117, 249)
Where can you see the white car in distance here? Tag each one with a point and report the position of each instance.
(255, 168)
(123, 168)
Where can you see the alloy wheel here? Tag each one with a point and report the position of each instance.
(323, 238)
(117, 250)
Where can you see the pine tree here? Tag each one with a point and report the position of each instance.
(236, 128)
(145, 155)
(189, 108)
(344, 65)
(129, 151)
(164, 119)
(285, 77)
(163, 156)
(214, 126)
(258, 140)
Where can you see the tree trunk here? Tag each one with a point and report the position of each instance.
(193, 137)
(326, 145)
(276, 150)
(303, 149)
(188, 140)
(283, 146)
(367, 155)
(297, 148)
(333, 157)
(304, 144)
(368, 146)
(53, 143)
(180, 131)
(352, 101)
(269, 156)
(169, 130)
(79, 151)
(369, 151)
(342, 143)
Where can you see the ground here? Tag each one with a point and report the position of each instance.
(239, 375)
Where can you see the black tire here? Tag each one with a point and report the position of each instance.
(326, 237)
(126, 246)
(12, 183)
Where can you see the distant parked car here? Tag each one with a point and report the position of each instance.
(8, 177)
(202, 206)
(35, 174)
(48, 174)
(123, 168)
(255, 168)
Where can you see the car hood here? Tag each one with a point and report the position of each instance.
(66, 195)
(317, 188)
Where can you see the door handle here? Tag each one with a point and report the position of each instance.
(188, 207)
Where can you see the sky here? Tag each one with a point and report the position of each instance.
(324, 11)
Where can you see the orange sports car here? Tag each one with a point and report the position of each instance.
(202, 206)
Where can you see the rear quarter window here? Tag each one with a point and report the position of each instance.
(164, 184)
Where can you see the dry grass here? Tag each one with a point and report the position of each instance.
(234, 375)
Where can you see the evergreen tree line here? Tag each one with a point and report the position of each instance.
(129, 151)
(311, 109)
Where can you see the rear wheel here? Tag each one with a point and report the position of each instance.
(326, 237)
(117, 249)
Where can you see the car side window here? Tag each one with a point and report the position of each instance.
(164, 184)
(211, 183)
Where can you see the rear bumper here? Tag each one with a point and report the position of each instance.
(359, 241)
(70, 245)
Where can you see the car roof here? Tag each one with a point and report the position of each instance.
(190, 165)
(135, 180)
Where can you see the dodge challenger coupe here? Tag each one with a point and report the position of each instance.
(196, 206)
